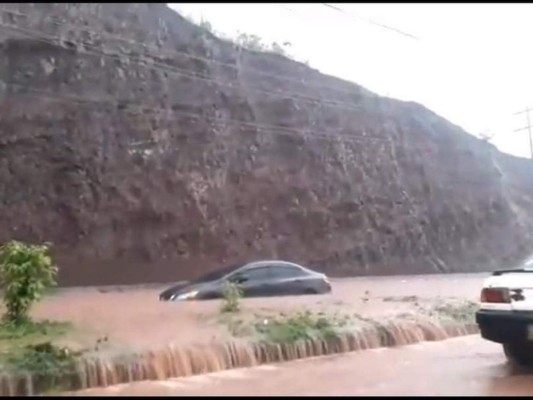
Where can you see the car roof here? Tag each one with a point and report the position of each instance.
(222, 273)
(275, 263)
(509, 271)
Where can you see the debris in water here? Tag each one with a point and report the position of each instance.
(401, 298)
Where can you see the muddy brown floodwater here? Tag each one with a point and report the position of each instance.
(462, 366)
(136, 317)
(160, 340)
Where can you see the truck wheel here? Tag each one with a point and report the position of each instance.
(520, 353)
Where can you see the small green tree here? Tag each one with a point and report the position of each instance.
(232, 295)
(278, 49)
(250, 42)
(204, 24)
(26, 271)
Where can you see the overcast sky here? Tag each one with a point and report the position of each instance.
(470, 63)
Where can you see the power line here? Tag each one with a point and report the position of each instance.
(304, 133)
(185, 54)
(527, 110)
(55, 40)
(38, 36)
(528, 127)
(140, 108)
(137, 109)
(370, 21)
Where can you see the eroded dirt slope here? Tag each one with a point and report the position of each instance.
(143, 164)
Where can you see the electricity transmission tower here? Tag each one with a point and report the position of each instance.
(528, 127)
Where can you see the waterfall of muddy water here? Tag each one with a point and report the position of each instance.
(176, 361)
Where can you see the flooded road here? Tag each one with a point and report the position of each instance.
(461, 366)
(136, 318)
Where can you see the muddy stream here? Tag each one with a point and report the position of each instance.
(151, 340)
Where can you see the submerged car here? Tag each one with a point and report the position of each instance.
(506, 313)
(256, 279)
(168, 293)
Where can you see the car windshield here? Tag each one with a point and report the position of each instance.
(217, 274)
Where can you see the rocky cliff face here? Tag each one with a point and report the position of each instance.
(146, 150)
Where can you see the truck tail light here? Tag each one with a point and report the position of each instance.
(495, 295)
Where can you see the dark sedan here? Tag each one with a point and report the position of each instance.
(256, 279)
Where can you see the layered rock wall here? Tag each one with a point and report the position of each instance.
(146, 150)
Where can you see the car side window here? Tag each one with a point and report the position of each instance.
(254, 274)
(286, 272)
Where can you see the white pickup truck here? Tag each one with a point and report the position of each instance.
(506, 313)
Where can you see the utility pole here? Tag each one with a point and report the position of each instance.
(528, 127)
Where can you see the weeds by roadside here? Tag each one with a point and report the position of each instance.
(238, 327)
(456, 310)
(459, 310)
(32, 330)
(47, 364)
(26, 346)
(232, 295)
(291, 327)
(286, 327)
(27, 349)
(301, 326)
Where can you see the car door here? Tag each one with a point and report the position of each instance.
(287, 280)
(254, 282)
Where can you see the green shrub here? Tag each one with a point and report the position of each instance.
(277, 48)
(232, 295)
(26, 272)
(204, 24)
(51, 367)
(44, 358)
(250, 42)
(457, 310)
(244, 40)
(29, 330)
(297, 327)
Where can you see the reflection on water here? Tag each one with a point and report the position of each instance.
(509, 380)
